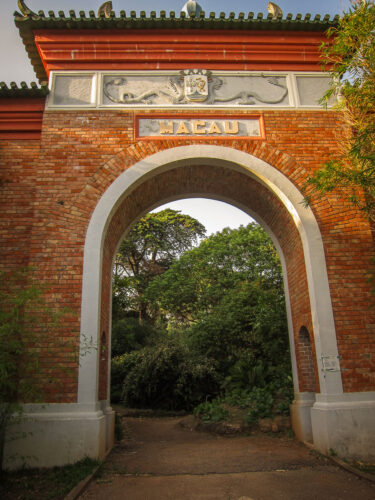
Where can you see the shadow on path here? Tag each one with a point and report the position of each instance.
(164, 458)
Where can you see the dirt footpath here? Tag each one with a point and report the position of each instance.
(164, 458)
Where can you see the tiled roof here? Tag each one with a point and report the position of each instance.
(30, 22)
(13, 90)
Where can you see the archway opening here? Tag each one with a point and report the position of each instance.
(224, 184)
(214, 302)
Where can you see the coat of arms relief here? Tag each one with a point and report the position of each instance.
(196, 85)
(192, 86)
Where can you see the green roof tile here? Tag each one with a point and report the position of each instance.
(13, 90)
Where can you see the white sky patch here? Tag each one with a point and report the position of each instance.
(214, 215)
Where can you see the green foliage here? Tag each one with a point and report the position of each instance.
(120, 367)
(224, 309)
(350, 58)
(227, 295)
(45, 484)
(247, 371)
(130, 334)
(284, 397)
(233, 260)
(260, 404)
(148, 250)
(168, 377)
(213, 411)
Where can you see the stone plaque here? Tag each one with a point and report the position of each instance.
(331, 363)
(198, 126)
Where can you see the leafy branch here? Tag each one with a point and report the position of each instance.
(350, 58)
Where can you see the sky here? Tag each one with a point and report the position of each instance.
(15, 65)
(214, 215)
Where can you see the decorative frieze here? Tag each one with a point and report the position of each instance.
(190, 88)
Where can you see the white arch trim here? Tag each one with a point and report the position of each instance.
(281, 186)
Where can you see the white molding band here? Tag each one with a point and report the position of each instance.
(85, 89)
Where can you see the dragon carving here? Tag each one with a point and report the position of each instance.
(249, 97)
(173, 90)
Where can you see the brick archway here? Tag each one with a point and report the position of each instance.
(80, 167)
(259, 180)
(245, 181)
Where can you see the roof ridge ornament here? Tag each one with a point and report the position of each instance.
(25, 11)
(275, 10)
(105, 10)
(192, 8)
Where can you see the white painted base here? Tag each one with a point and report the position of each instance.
(300, 412)
(58, 434)
(345, 423)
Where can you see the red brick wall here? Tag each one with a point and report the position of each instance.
(305, 358)
(56, 184)
(17, 197)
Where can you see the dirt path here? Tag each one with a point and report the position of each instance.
(163, 458)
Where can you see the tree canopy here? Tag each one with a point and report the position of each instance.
(227, 295)
(148, 250)
(222, 325)
(228, 261)
(350, 58)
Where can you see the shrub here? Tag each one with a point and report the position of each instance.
(213, 411)
(120, 367)
(283, 399)
(260, 404)
(129, 334)
(169, 377)
(246, 372)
